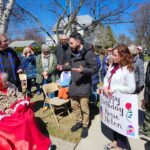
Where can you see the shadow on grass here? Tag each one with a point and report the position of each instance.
(37, 105)
(43, 128)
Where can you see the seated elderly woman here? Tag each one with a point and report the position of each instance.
(18, 129)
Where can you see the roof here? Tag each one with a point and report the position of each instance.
(84, 20)
(23, 43)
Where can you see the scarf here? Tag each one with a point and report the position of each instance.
(113, 71)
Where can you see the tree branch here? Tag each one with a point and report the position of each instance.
(37, 21)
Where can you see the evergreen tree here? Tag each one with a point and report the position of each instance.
(111, 36)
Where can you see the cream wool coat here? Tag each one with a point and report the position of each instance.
(122, 81)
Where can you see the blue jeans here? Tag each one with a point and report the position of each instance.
(45, 81)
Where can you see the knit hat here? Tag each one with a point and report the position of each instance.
(133, 49)
(45, 48)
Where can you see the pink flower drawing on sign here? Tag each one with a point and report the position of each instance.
(129, 113)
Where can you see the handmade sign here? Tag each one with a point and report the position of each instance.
(120, 113)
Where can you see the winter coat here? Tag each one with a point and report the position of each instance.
(147, 85)
(81, 82)
(29, 66)
(10, 63)
(95, 77)
(122, 80)
(139, 73)
(104, 67)
(51, 70)
(63, 54)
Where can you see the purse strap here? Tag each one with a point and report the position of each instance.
(113, 71)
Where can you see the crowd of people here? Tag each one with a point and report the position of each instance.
(75, 66)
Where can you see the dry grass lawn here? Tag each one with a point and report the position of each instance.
(49, 126)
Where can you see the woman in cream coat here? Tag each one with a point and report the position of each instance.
(120, 79)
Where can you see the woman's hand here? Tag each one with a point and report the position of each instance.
(107, 92)
(9, 111)
(45, 73)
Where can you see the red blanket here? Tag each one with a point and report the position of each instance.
(20, 132)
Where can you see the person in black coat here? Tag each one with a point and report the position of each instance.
(9, 61)
(82, 65)
(145, 128)
(63, 52)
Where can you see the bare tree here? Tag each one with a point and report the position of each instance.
(5, 12)
(108, 11)
(123, 39)
(141, 26)
(26, 12)
(32, 34)
(65, 12)
(101, 10)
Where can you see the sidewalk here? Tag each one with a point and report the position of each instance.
(61, 144)
(96, 139)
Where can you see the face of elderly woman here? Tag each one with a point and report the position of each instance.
(116, 56)
(4, 85)
(3, 81)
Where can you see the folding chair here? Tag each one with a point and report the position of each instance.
(54, 102)
(23, 79)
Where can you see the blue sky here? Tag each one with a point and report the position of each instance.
(48, 20)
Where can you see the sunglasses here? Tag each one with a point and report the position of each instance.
(46, 52)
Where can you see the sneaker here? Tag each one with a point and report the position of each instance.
(84, 133)
(77, 126)
(46, 106)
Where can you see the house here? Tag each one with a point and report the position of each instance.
(24, 43)
(81, 22)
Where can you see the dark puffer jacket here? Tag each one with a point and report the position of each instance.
(147, 85)
(81, 82)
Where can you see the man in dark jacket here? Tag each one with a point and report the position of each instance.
(83, 65)
(145, 129)
(62, 51)
(9, 61)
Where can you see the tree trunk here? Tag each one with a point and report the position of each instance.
(5, 15)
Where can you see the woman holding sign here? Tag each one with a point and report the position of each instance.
(120, 79)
